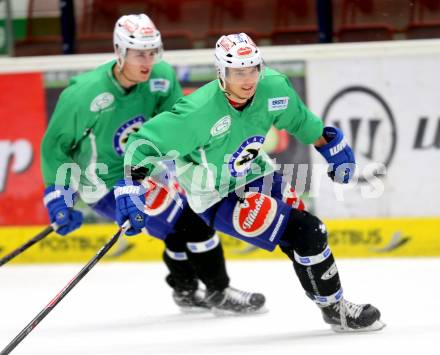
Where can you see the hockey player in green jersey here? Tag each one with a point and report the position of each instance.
(85, 143)
(231, 183)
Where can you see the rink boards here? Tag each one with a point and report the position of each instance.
(348, 238)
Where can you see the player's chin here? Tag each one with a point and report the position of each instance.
(248, 93)
(144, 75)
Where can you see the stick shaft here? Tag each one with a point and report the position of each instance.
(46, 310)
(28, 244)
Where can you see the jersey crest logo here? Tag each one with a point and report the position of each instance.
(241, 160)
(221, 126)
(101, 102)
(120, 138)
(252, 217)
(159, 85)
(278, 103)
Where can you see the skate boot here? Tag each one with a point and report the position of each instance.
(345, 316)
(190, 301)
(234, 301)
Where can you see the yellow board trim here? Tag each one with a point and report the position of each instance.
(390, 237)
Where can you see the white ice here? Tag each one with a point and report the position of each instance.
(126, 309)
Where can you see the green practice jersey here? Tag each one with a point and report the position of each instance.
(91, 123)
(216, 147)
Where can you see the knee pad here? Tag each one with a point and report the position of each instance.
(305, 242)
(305, 234)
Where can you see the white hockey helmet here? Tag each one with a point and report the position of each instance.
(135, 32)
(236, 51)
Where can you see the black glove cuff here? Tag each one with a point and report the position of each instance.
(139, 173)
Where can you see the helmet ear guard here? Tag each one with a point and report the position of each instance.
(135, 32)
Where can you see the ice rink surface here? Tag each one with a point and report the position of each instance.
(126, 309)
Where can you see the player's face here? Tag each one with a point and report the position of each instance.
(242, 82)
(138, 64)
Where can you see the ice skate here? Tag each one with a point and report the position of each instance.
(190, 301)
(345, 316)
(234, 301)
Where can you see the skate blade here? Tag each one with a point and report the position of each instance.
(193, 310)
(228, 313)
(377, 325)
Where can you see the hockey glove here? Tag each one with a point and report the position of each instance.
(130, 205)
(59, 203)
(338, 154)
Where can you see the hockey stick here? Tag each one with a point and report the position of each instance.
(26, 245)
(46, 310)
